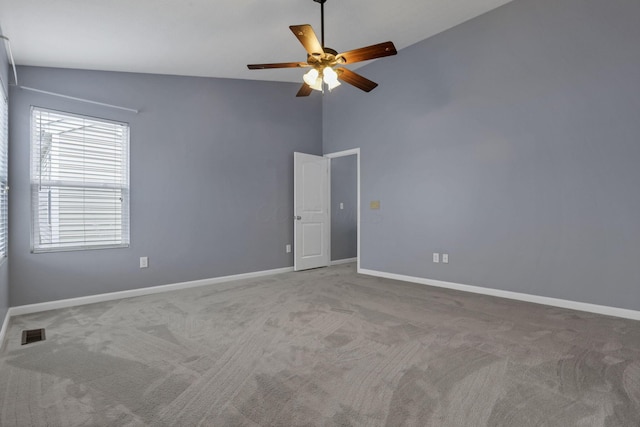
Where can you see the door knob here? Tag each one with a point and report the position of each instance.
(298, 218)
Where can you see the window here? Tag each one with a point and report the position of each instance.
(79, 182)
(4, 188)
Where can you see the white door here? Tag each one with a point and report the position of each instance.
(311, 231)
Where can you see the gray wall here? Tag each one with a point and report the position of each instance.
(512, 142)
(4, 264)
(344, 222)
(211, 179)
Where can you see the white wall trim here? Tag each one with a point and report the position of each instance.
(350, 152)
(5, 327)
(344, 261)
(555, 302)
(91, 299)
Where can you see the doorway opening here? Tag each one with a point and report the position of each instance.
(344, 198)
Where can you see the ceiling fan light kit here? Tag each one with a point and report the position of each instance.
(327, 64)
(314, 78)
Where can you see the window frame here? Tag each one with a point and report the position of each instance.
(125, 235)
(4, 180)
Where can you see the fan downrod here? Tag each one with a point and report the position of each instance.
(322, 2)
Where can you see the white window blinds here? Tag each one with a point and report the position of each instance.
(79, 182)
(4, 189)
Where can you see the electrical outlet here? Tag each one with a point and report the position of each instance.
(341, 206)
(445, 258)
(436, 257)
(144, 262)
(288, 249)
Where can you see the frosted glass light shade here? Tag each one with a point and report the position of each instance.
(330, 78)
(310, 77)
(317, 85)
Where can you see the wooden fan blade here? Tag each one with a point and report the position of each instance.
(305, 90)
(308, 38)
(356, 80)
(370, 52)
(278, 65)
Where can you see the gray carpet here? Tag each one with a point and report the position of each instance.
(325, 347)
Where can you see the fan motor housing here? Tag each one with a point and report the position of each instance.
(329, 59)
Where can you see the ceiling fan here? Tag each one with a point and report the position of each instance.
(325, 63)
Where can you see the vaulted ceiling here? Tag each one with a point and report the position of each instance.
(213, 38)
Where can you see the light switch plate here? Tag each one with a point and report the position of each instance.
(436, 257)
(144, 262)
(341, 206)
(288, 248)
(375, 204)
(445, 258)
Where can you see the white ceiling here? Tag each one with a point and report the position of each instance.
(214, 38)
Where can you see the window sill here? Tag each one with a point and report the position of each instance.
(76, 249)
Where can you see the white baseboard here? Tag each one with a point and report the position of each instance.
(555, 302)
(343, 261)
(91, 299)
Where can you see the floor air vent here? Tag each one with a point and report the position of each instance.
(33, 335)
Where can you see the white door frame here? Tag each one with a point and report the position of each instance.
(351, 152)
